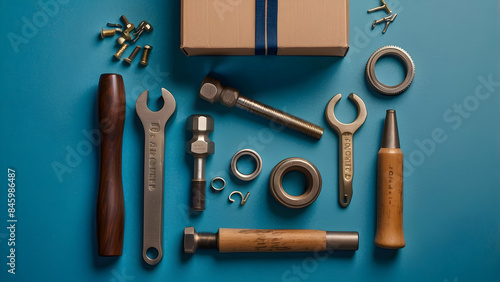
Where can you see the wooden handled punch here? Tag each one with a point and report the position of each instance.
(110, 203)
(389, 234)
(229, 240)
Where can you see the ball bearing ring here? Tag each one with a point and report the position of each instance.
(402, 56)
(313, 187)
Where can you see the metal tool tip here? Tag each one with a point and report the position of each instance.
(390, 137)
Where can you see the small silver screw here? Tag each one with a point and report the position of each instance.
(132, 55)
(145, 55)
(122, 49)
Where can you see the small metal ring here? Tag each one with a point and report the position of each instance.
(313, 187)
(215, 179)
(402, 56)
(258, 164)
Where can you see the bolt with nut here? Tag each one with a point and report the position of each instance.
(213, 91)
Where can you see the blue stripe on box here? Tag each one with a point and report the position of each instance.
(272, 27)
(260, 27)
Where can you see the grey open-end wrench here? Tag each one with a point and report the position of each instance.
(345, 133)
(154, 155)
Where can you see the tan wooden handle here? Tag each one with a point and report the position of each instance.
(389, 232)
(271, 240)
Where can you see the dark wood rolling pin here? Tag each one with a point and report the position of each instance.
(110, 203)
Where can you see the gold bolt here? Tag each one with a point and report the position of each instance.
(132, 55)
(119, 53)
(145, 55)
(107, 33)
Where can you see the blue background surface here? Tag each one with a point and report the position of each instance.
(48, 96)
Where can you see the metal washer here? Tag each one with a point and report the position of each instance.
(313, 187)
(401, 55)
(234, 166)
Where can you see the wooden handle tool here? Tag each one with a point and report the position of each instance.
(229, 240)
(389, 234)
(110, 203)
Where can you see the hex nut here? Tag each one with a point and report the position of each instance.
(210, 90)
(190, 238)
(229, 97)
(200, 126)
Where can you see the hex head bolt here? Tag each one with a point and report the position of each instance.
(107, 33)
(122, 49)
(145, 55)
(200, 147)
(132, 55)
(383, 7)
(125, 22)
(213, 91)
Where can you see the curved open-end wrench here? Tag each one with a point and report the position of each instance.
(345, 133)
(154, 156)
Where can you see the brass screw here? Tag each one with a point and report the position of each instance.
(125, 35)
(126, 22)
(132, 55)
(107, 33)
(145, 55)
(119, 53)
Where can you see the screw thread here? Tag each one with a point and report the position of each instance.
(119, 53)
(280, 117)
(207, 240)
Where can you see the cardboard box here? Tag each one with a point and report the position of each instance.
(265, 27)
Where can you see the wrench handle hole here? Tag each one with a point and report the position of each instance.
(152, 253)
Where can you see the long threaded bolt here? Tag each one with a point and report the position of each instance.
(213, 91)
(145, 55)
(132, 55)
(107, 33)
(383, 7)
(122, 49)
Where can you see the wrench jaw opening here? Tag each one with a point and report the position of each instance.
(161, 116)
(345, 133)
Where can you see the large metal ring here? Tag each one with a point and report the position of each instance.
(402, 56)
(258, 164)
(313, 187)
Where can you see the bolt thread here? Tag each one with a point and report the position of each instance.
(122, 49)
(207, 240)
(280, 117)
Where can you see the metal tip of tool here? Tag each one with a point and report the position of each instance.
(390, 137)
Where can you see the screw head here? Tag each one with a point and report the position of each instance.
(148, 47)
